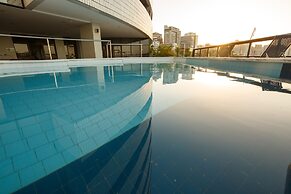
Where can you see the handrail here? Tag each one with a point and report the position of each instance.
(227, 48)
(108, 42)
(126, 44)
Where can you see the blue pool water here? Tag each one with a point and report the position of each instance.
(144, 128)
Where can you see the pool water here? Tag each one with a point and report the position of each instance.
(144, 128)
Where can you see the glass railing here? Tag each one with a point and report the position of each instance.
(17, 3)
(273, 46)
(22, 47)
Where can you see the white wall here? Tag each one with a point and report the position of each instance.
(130, 11)
(61, 52)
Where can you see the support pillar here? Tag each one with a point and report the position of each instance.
(60, 47)
(90, 49)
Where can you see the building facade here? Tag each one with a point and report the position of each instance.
(158, 37)
(172, 35)
(121, 22)
(189, 40)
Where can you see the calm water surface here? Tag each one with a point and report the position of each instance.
(162, 128)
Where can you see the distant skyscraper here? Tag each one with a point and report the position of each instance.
(190, 40)
(257, 50)
(158, 37)
(172, 35)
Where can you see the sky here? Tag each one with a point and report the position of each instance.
(222, 21)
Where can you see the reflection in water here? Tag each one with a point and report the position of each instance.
(120, 166)
(93, 132)
(266, 85)
(48, 121)
(214, 134)
(171, 72)
(288, 181)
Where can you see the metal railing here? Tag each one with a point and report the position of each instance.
(49, 48)
(276, 47)
(108, 43)
(122, 53)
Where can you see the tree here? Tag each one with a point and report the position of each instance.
(163, 51)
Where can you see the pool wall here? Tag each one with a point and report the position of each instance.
(265, 67)
(262, 67)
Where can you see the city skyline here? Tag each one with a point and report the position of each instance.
(223, 21)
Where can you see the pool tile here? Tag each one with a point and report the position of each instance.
(49, 184)
(91, 131)
(54, 134)
(76, 186)
(11, 136)
(63, 143)
(101, 187)
(37, 140)
(2, 153)
(78, 136)
(9, 183)
(59, 191)
(53, 163)
(25, 112)
(27, 121)
(47, 125)
(6, 167)
(31, 130)
(72, 154)
(28, 190)
(68, 128)
(16, 148)
(101, 138)
(45, 151)
(8, 127)
(24, 160)
(87, 146)
(31, 174)
(105, 124)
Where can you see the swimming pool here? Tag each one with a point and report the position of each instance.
(144, 128)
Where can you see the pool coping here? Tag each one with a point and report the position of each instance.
(270, 67)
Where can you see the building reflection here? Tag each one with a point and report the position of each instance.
(265, 84)
(120, 166)
(170, 73)
(288, 181)
(74, 114)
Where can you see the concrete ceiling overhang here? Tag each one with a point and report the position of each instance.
(27, 22)
(63, 18)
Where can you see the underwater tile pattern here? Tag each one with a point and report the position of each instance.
(119, 166)
(44, 127)
(162, 128)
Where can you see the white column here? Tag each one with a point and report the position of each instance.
(60, 47)
(91, 49)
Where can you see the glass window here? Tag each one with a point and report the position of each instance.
(53, 51)
(21, 48)
(240, 50)
(22, 51)
(258, 48)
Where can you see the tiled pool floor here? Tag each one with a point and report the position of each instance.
(162, 128)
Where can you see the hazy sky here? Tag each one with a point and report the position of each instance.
(222, 21)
